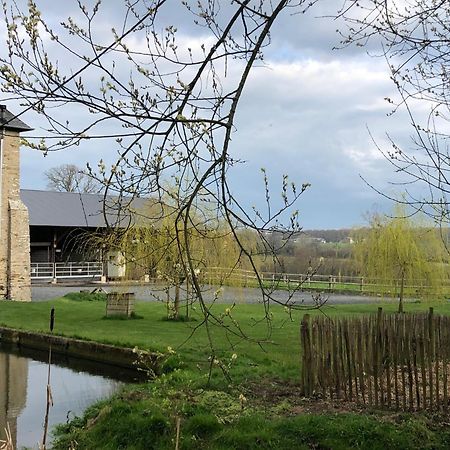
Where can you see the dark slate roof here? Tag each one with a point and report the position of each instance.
(70, 209)
(9, 122)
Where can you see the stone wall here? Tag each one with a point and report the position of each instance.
(15, 283)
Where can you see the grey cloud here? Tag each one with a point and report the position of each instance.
(312, 127)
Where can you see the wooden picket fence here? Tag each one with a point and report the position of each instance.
(399, 361)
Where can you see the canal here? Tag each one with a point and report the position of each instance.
(75, 385)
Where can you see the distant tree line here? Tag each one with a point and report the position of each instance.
(330, 235)
(310, 251)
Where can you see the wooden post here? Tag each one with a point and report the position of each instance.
(444, 355)
(348, 352)
(359, 343)
(430, 354)
(336, 365)
(415, 361)
(379, 318)
(437, 360)
(388, 361)
(408, 347)
(423, 372)
(306, 356)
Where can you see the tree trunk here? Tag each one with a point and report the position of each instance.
(176, 304)
(400, 298)
(187, 298)
(168, 302)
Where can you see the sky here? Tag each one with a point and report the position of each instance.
(311, 112)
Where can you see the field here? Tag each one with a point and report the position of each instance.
(278, 356)
(258, 407)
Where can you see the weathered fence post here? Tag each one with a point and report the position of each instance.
(393, 360)
(430, 354)
(378, 356)
(379, 318)
(306, 356)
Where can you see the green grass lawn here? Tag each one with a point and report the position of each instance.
(279, 354)
(214, 416)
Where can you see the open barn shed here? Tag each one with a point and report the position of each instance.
(60, 225)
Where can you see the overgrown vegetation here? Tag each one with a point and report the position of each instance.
(146, 418)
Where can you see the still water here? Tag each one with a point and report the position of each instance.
(75, 385)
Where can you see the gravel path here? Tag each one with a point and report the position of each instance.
(226, 294)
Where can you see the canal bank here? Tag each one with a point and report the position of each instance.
(88, 350)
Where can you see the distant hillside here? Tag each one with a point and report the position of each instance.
(330, 235)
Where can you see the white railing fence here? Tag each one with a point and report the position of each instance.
(247, 278)
(66, 270)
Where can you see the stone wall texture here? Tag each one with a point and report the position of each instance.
(15, 282)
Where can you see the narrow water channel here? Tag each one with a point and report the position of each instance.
(75, 385)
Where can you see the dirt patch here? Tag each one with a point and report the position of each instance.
(284, 398)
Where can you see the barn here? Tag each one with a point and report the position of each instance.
(60, 222)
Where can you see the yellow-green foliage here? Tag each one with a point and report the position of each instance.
(400, 247)
(162, 247)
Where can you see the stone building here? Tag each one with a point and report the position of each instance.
(14, 224)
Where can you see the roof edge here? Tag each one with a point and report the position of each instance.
(9, 121)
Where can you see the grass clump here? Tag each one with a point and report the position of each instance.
(83, 296)
(202, 426)
(132, 316)
(119, 424)
(150, 423)
(180, 318)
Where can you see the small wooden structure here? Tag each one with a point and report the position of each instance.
(119, 304)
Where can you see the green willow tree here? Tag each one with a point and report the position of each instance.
(402, 257)
(150, 248)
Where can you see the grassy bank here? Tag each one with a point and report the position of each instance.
(278, 356)
(261, 407)
(147, 424)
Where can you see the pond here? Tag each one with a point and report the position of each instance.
(75, 385)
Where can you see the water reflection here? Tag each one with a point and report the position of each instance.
(76, 384)
(13, 391)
